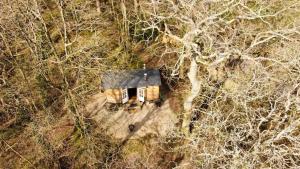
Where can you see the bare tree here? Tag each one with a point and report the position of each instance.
(237, 61)
(240, 99)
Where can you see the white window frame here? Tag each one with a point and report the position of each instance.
(141, 94)
(125, 97)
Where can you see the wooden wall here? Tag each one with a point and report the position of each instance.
(113, 95)
(152, 93)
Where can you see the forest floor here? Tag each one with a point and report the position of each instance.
(149, 119)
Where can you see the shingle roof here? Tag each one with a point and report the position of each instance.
(130, 79)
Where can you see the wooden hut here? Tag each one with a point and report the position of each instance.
(141, 84)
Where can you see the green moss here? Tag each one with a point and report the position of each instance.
(134, 146)
(22, 118)
(76, 139)
(252, 5)
(229, 15)
(120, 59)
(10, 132)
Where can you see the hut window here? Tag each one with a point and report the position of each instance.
(141, 93)
(124, 94)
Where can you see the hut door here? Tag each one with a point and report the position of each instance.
(141, 94)
(124, 96)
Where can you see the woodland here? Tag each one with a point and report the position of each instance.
(231, 68)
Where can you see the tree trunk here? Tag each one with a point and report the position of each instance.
(98, 4)
(136, 6)
(196, 87)
(124, 13)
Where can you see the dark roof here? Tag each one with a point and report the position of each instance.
(130, 79)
